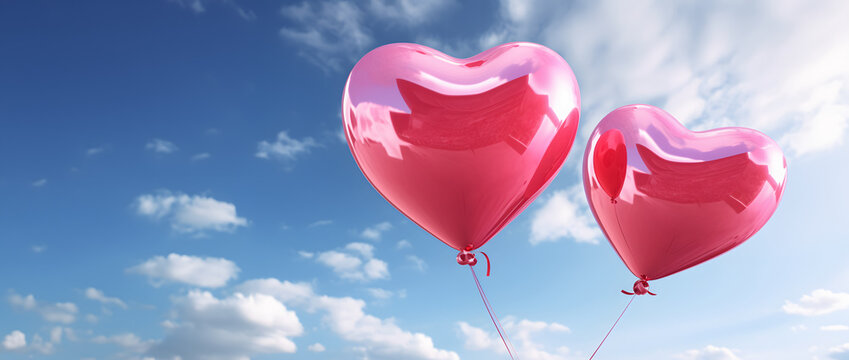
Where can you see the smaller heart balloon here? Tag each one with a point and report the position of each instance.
(461, 146)
(668, 198)
(609, 161)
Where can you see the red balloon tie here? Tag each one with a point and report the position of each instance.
(467, 258)
(641, 287)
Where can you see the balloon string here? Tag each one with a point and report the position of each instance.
(611, 328)
(503, 334)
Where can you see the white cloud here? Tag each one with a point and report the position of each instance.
(190, 214)
(98, 295)
(204, 272)
(161, 146)
(15, 340)
(709, 352)
(39, 248)
(375, 232)
(819, 302)
(306, 254)
(403, 244)
(523, 333)
(355, 262)
(284, 148)
(365, 250)
(235, 327)
(201, 156)
(564, 215)
(381, 338)
(39, 183)
(64, 312)
(316, 347)
(834, 328)
(735, 63)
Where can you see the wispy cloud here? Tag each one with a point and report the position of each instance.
(285, 147)
(200, 7)
(98, 295)
(127, 341)
(161, 146)
(384, 294)
(201, 156)
(320, 223)
(417, 263)
(376, 231)
(333, 34)
(330, 33)
(39, 183)
(95, 150)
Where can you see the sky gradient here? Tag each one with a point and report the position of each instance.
(174, 183)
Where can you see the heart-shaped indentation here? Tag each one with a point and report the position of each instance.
(461, 146)
(686, 197)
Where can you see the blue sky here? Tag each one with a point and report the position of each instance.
(173, 184)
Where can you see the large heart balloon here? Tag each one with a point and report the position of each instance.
(668, 198)
(461, 146)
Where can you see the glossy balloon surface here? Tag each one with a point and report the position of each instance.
(686, 197)
(461, 146)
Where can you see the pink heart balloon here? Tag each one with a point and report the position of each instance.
(686, 197)
(461, 146)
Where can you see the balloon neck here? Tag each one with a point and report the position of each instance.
(466, 258)
(641, 287)
(613, 201)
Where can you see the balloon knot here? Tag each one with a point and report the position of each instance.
(466, 258)
(613, 201)
(641, 287)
